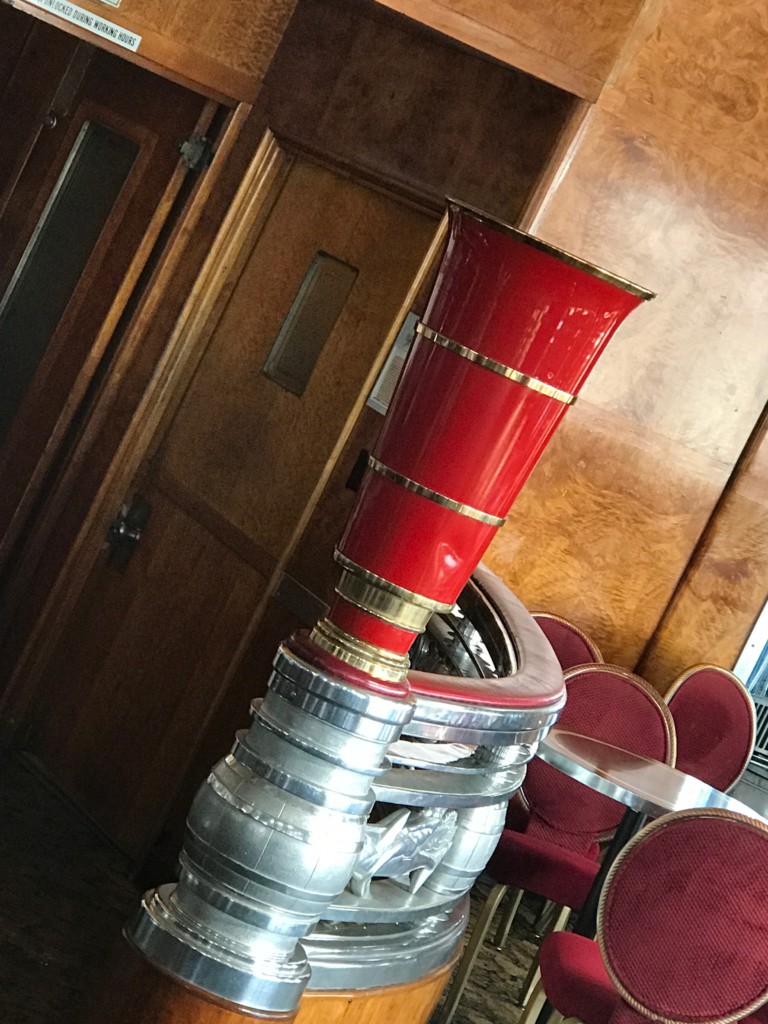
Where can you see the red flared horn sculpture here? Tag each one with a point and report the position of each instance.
(512, 329)
(282, 876)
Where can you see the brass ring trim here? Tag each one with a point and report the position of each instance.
(379, 581)
(436, 496)
(495, 367)
(382, 604)
(552, 250)
(371, 658)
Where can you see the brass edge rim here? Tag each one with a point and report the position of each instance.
(553, 250)
(495, 367)
(379, 581)
(376, 661)
(390, 617)
(439, 499)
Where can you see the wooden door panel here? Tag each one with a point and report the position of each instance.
(252, 449)
(14, 31)
(26, 99)
(135, 678)
(152, 116)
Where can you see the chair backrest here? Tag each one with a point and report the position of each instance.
(608, 703)
(715, 724)
(683, 918)
(571, 645)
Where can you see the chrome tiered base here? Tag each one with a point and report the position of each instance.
(337, 842)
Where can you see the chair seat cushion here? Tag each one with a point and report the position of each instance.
(538, 865)
(575, 979)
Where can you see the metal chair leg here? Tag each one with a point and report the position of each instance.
(533, 975)
(543, 921)
(467, 961)
(509, 910)
(534, 1006)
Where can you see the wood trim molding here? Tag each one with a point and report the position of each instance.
(162, 55)
(230, 535)
(185, 346)
(557, 167)
(442, 18)
(106, 331)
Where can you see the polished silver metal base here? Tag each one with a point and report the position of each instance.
(289, 879)
(273, 836)
(255, 975)
(354, 956)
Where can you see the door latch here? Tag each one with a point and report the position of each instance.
(196, 152)
(126, 529)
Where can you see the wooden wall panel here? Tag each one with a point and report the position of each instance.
(14, 28)
(222, 49)
(677, 215)
(666, 198)
(700, 67)
(138, 672)
(571, 43)
(602, 530)
(411, 108)
(726, 584)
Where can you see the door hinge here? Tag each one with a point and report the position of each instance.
(196, 152)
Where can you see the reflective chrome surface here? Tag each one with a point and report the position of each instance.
(331, 849)
(639, 782)
(272, 837)
(349, 955)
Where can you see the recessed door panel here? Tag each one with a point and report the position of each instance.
(95, 169)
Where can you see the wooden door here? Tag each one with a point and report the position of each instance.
(125, 693)
(88, 179)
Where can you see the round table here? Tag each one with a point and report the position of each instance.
(648, 788)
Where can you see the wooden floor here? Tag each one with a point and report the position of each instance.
(65, 894)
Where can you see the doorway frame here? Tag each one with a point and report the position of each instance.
(245, 218)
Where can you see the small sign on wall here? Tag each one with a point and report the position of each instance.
(91, 22)
(381, 393)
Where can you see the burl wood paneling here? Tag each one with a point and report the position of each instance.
(726, 584)
(602, 530)
(250, 449)
(411, 108)
(135, 992)
(677, 216)
(571, 43)
(699, 67)
(657, 188)
(222, 49)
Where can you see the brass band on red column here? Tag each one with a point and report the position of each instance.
(511, 331)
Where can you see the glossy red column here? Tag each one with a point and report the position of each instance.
(511, 331)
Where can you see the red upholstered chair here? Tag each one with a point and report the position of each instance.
(556, 856)
(667, 950)
(571, 645)
(715, 724)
